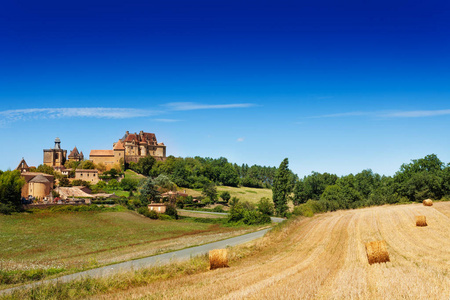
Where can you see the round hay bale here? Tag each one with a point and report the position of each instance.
(428, 202)
(377, 252)
(218, 258)
(421, 221)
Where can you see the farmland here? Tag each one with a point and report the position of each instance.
(324, 257)
(67, 242)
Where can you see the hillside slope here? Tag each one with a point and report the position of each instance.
(324, 258)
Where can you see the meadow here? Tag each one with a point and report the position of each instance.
(252, 195)
(42, 243)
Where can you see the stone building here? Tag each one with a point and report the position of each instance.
(88, 175)
(23, 166)
(55, 157)
(130, 148)
(75, 155)
(38, 185)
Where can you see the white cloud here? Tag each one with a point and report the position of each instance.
(241, 139)
(13, 115)
(196, 106)
(166, 120)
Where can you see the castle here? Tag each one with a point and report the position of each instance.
(130, 148)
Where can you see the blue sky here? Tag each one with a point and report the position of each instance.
(335, 86)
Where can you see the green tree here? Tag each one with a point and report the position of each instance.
(145, 165)
(64, 182)
(282, 187)
(86, 164)
(129, 184)
(210, 191)
(149, 192)
(113, 184)
(45, 169)
(10, 190)
(225, 195)
(165, 184)
(265, 206)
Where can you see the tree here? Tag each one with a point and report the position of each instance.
(10, 190)
(145, 165)
(265, 206)
(45, 169)
(129, 184)
(86, 164)
(282, 187)
(165, 184)
(64, 182)
(225, 195)
(113, 184)
(149, 192)
(210, 191)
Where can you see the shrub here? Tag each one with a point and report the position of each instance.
(218, 208)
(311, 207)
(265, 206)
(152, 215)
(171, 211)
(165, 217)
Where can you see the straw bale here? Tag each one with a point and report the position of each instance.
(421, 221)
(218, 258)
(377, 252)
(428, 202)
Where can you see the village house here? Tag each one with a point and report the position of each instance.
(89, 175)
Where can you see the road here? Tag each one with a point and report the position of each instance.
(151, 261)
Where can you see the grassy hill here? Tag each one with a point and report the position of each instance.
(252, 195)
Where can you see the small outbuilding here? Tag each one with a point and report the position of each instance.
(158, 207)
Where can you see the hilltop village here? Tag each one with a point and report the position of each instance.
(130, 148)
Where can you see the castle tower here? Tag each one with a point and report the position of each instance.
(56, 157)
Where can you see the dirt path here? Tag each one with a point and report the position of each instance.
(324, 258)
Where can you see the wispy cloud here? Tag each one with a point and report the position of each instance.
(347, 114)
(241, 139)
(13, 115)
(389, 114)
(166, 120)
(416, 113)
(197, 106)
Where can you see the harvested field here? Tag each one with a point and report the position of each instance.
(324, 257)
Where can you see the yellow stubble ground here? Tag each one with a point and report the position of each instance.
(324, 258)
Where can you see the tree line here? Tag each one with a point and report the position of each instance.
(196, 172)
(420, 179)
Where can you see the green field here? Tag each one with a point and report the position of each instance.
(251, 195)
(71, 241)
